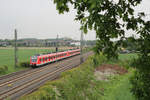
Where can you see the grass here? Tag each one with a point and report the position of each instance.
(74, 84)
(119, 88)
(129, 56)
(79, 84)
(24, 54)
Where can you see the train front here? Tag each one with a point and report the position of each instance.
(33, 61)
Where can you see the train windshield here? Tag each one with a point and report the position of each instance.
(34, 58)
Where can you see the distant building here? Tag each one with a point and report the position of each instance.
(4, 44)
(75, 43)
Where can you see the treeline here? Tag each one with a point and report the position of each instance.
(33, 42)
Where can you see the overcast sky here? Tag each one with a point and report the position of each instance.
(39, 19)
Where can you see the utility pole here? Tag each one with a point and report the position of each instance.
(57, 44)
(15, 48)
(81, 47)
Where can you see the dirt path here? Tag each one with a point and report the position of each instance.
(105, 71)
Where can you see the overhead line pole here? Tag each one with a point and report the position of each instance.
(15, 49)
(81, 47)
(56, 46)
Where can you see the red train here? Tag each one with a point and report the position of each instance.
(38, 60)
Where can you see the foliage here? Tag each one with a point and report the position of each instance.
(110, 19)
(25, 64)
(140, 80)
(131, 44)
(98, 60)
(3, 69)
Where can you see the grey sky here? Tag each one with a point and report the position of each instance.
(39, 19)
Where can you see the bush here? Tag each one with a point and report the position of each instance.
(98, 60)
(3, 69)
(25, 64)
(141, 78)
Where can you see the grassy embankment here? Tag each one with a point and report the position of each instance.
(80, 83)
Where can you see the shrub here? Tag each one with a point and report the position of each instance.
(141, 78)
(3, 69)
(98, 60)
(25, 64)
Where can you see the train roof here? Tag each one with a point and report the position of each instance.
(54, 53)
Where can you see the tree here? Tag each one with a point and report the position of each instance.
(110, 19)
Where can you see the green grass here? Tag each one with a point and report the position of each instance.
(24, 54)
(129, 56)
(79, 84)
(116, 89)
(7, 57)
(119, 88)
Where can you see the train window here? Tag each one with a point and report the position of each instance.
(41, 59)
(34, 60)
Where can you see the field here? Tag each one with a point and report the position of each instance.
(7, 55)
(129, 56)
(24, 54)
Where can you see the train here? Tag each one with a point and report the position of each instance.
(42, 59)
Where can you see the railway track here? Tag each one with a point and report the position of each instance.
(15, 86)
